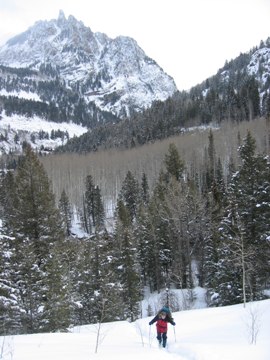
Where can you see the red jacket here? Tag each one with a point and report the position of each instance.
(162, 326)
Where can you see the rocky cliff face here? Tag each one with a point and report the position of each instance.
(115, 74)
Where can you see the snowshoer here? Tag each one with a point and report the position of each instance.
(162, 318)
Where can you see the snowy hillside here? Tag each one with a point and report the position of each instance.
(256, 64)
(200, 334)
(16, 129)
(259, 65)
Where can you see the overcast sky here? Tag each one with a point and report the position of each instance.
(189, 39)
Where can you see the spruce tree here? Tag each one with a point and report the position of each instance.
(145, 196)
(161, 242)
(213, 202)
(98, 286)
(65, 212)
(148, 248)
(174, 164)
(94, 215)
(88, 204)
(10, 315)
(243, 251)
(110, 304)
(33, 223)
(129, 277)
(129, 194)
(127, 263)
(99, 217)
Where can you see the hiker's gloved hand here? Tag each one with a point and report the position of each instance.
(150, 323)
(173, 323)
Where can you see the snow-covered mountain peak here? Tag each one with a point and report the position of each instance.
(115, 74)
(61, 16)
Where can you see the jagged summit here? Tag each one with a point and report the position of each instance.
(115, 74)
(61, 15)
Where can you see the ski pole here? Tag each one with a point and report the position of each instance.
(174, 333)
(149, 335)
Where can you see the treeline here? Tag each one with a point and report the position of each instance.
(213, 102)
(214, 223)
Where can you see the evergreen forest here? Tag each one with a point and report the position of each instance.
(185, 227)
(175, 196)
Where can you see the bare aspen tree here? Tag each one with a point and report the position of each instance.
(241, 254)
(109, 168)
(107, 304)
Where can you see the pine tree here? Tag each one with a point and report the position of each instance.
(148, 249)
(243, 251)
(145, 190)
(160, 223)
(251, 97)
(88, 208)
(7, 191)
(98, 286)
(34, 223)
(129, 277)
(155, 232)
(65, 212)
(58, 304)
(214, 195)
(10, 315)
(99, 212)
(174, 164)
(127, 263)
(94, 215)
(211, 162)
(129, 194)
(9, 323)
(84, 285)
(110, 304)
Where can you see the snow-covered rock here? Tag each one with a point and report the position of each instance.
(115, 74)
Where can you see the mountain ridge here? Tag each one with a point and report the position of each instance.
(115, 74)
(116, 104)
(239, 91)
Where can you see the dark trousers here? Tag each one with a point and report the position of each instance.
(162, 339)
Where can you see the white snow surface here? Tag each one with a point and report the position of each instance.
(222, 333)
(20, 94)
(36, 124)
(9, 125)
(260, 58)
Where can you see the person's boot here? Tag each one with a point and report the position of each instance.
(164, 343)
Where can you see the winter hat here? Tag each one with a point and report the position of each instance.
(165, 309)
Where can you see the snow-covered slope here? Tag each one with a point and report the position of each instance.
(204, 334)
(35, 131)
(115, 73)
(259, 65)
(255, 63)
